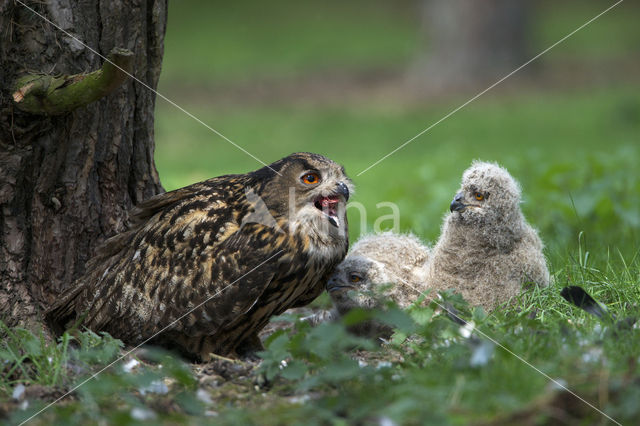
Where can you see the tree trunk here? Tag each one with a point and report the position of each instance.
(67, 181)
(471, 42)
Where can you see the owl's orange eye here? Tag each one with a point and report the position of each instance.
(355, 278)
(310, 178)
(479, 196)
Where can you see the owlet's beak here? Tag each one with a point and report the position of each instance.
(457, 205)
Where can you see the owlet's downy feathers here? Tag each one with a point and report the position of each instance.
(389, 265)
(378, 268)
(203, 268)
(487, 251)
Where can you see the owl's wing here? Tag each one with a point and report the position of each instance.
(149, 207)
(75, 299)
(214, 294)
(245, 266)
(193, 267)
(139, 216)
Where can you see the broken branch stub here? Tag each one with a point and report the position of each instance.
(50, 95)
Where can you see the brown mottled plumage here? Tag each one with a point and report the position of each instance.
(250, 245)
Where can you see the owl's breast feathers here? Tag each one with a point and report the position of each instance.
(190, 250)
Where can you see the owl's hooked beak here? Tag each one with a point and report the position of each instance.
(343, 190)
(457, 205)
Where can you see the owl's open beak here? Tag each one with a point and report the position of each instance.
(329, 207)
(457, 205)
(329, 204)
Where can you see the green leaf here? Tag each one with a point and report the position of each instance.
(421, 315)
(294, 370)
(396, 318)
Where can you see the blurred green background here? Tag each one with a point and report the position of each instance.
(339, 78)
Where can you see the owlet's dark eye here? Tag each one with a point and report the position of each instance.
(354, 278)
(479, 196)
(310, 178)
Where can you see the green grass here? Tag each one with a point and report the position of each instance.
(77, 363)
(428, 373)
(29, 359)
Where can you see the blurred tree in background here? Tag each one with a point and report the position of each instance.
(471, 42)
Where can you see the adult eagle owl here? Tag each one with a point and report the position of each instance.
(487, 250)
(213, 261)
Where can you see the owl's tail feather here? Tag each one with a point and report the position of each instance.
(63, 315)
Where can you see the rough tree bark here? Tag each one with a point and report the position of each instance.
(67, 181)
(471, 42)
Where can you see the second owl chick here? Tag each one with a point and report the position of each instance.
(384, 266)
(487, 250)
